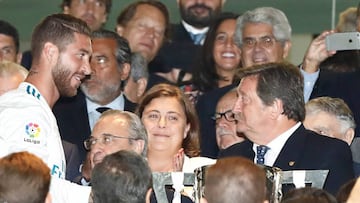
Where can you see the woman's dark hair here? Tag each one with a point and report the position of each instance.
(191, 142)
(205, 77)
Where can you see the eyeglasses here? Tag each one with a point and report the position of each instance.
(107, 139)
(228, 115)
(264, 42)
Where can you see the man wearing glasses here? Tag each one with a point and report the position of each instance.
(226, 134)
(114, 131)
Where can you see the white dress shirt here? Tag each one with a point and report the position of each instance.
(276, 145)
(193, 30)
(117, 103)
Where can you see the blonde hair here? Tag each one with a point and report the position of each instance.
(8, 68)
(347, 20)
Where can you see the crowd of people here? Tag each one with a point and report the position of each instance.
(88, 114)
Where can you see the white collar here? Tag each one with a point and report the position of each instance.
(276, 145)
(189, 28)
(117, 103)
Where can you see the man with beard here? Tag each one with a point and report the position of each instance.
(61, 47)
(110, 65)
(175, 59)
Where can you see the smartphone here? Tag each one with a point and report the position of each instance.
(343, 41)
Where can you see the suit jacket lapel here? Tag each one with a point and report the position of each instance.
(289, 156)
(81, 117)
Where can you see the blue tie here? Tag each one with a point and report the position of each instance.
(197, 38)
(260, 153)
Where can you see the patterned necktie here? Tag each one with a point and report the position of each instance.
(197, 38)
(102, 109)
(260, 153)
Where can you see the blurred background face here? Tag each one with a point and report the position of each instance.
(264, 48)
(8, 49)
(165, 122)
(145, 31)
(199, 13)
(226, 134)
(226, 53)
(93, 12)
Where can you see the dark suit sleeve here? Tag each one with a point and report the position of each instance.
(243, 149)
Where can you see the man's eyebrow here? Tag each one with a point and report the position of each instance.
(107, 134)
(85, 50)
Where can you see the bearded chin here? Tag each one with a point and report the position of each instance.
(189, 17)
(61, 78)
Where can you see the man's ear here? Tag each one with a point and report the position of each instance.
(141, 86)
(125, 71)
(349, 136)
(104, 18)
(287, 47)
(18, 57)
(139, 146)
(51, 52)
(66, 10)
(276, 108)
(120, 30)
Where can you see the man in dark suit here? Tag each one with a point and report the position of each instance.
(269, 111)
(264, 35)
(110, 64)
(177, 57)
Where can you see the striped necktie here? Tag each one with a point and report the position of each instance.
(260, 153)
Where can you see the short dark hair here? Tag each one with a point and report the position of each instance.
(281, 81)
(122, 177)
(123, 52)
(25, 172)
(58, 29)
(7, 29)
(128, 13)
(107, 4)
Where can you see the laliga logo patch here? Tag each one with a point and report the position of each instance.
(33, 130)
